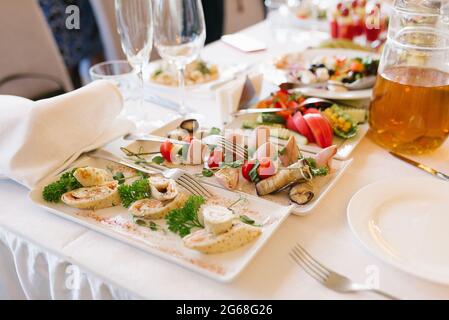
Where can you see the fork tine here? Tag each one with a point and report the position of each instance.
(309, 271)
(198, 184)
(186, 186)
(310, 264)
(192, 187)
(327, 270)
(226, 146)
(234, 147)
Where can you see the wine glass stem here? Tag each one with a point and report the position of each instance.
(182, 88)
(141, 87)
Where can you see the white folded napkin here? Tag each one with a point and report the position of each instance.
(41, 138)
(229, 95)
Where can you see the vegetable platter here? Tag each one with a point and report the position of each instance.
(315, 126)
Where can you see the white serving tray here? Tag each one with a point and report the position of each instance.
(323, 185)
(117, 223)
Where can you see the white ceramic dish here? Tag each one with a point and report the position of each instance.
(225, 73)
(323, 185)
(405, 223)
(117, 223)
(278, 76)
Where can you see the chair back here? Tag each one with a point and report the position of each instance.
(31, 65)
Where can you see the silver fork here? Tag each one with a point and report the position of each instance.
(212, 140)
(184, 179)
(329, 278)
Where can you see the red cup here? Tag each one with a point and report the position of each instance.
(346, 31)
(334, 29)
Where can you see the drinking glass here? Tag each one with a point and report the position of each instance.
(118, 72)
(180, 34)
(134, 23)
(409, 112)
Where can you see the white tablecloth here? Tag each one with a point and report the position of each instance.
(42, 255)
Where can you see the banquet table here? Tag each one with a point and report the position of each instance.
(43, 256)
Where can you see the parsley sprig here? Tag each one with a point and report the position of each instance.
(316, 172)
(182, 221)
(136, 191)
(67, 182)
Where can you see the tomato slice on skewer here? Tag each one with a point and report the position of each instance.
(320, 128)
(303, 127)
(165, 149)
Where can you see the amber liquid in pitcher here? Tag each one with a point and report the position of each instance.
(409, 111)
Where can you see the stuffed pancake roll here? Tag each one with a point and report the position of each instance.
(90, 177)
(239, 235)
(93, 198)
(155, 209)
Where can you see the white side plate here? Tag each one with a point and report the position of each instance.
(405, 223)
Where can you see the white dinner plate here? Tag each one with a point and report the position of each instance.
(278, 76)
(405, 222)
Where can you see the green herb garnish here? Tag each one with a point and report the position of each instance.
(236, 164)
(120, 177)
(158, 160)
(142, 174)
(146, 224)
(214, 131)
(207, 173)
(254, 174)
(158, 72)
(203, 68)
(139, 190)
(247, 220)
(316, 172)
(67, 182)
(182, 221)
(153, 226)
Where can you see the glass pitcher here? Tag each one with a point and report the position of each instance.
(409, 111)
(419, 13)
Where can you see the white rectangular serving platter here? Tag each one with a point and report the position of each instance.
(117, 223)
(322, 185)
(345, 146)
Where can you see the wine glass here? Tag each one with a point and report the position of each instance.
(180, 34)
(134, 24)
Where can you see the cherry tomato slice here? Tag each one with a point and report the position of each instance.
(266, 168)
(246, 169)
(165, 149)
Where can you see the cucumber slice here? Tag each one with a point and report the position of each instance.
(255, 124)
(285, 134)
(300, 139)
(270, 118)
(281, 133)
(249, 125)
(357, 114)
